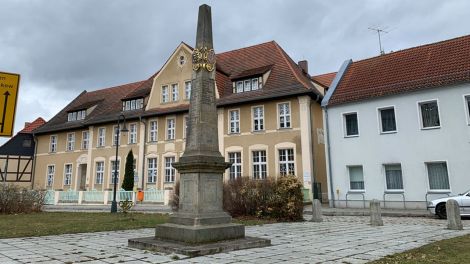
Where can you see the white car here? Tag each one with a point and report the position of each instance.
(438, 206)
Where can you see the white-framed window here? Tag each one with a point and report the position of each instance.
(429, 114)
(393, 177)
(356, 178)
(234, 121)
(113, 169)
(240, 87)
(53, 144)
(259, 164)
(174, 92)
(258, 118)
(169, 170)
(351, 125)
(77, 115)
(153, 137)
(236, 169)
(286, 162)
(254, 84)
(85, 139)
(132, 133)
(185, 125)
(133, 104)
(116, 136)
(152, 170)
(467, 107)
(187, 90)
(99, 172)
(246, 85)
(165, 94)
(101, 137)
(50, 175)
(438, 175)
(70, 141)
(170, 129)
(284, 115)
(387, 120)
(68, 174)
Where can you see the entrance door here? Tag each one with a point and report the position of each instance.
(82, 176)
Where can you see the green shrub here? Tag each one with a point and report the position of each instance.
(14, 199)
(128, 181)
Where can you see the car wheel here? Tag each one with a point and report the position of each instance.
(441, 211)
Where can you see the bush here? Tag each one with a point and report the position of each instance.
(280, 199)
(14, 199)
(128, 182)
(175, 198)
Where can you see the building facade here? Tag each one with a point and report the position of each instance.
(398, 127)
(269, 119)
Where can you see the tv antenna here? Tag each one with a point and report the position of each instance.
(379, 31)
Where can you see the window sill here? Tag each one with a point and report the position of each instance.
(438, 191)
(284, 128)
(351, 136)
(388, 132)
(430, 128)
(98, 147)
(169, 140)
(258, 131)
(394, 191)
(356, 191)
(234, 133)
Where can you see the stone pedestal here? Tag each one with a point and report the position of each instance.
(375, 213)
(454, 220)
(316, 211)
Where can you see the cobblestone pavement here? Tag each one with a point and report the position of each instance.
(338, 239)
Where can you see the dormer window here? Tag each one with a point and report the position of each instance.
(76, 115)
(246, 85)
(133, 104)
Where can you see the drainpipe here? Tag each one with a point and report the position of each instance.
(328, 149)
(143, 155)
(34, 160)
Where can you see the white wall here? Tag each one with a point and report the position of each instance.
(411, 146)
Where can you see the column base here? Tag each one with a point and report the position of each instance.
(199, 234)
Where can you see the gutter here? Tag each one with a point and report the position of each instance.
(324, 105)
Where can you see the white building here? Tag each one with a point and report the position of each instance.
(398, 127)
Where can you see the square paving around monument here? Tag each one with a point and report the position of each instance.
(337, 239)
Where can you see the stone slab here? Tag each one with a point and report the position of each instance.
(194, 250)
(199, 234)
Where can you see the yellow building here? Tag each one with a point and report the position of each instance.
(269, 119)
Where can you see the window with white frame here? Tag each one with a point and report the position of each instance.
(356, 178)
(258, 118)
(259, 164)
(53, 144)
(99, 172)
(387, 120)
(429, 114)
(239, 88)
(351, 126)
(116, 136)
(76, 115)
(185, 131)
(50, 175)
(393, 177)
(153, 131)
(70, 141)
(174, 92)
(236, 169)
(152, 170)
(247, 86)
(132, 133)
(286, 162)
(467, 105)
(438, 175)
(187, 90)
(165, 94)
(115, 169)
(170, 129)
(234, 116)
(134, 167)
(250, 84)
(68, 174)
(85, 139)
(284, 115)
(133, 104)
(169, 170)
(101, 137)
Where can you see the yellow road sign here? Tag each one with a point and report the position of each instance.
(9, 83)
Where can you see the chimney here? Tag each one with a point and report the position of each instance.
(303, 64)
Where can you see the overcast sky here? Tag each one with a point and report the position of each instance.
(61, 48)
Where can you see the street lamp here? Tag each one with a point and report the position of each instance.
(118, 132)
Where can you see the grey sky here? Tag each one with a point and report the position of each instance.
(61, 48)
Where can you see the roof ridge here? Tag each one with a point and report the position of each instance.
(412, 48)
(285, 57)
(114, 87)
(247, 47)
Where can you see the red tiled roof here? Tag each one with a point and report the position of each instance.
(29, 127)
(285, 79)
(324, 79)
(433, 65)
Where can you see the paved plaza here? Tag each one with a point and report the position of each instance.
(339, 239)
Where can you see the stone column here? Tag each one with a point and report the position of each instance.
(375, 213)
(454, 221)
(316, 211)
(200, 216)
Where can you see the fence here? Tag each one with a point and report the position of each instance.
(69, 196)
(49, 197)
(93, 196)
(154, 196)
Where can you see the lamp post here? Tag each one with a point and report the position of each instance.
(118, 134)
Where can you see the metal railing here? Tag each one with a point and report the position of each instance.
(121, 195)
(93, 196)
(153, 195)
(69, 196)
(49, 197)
